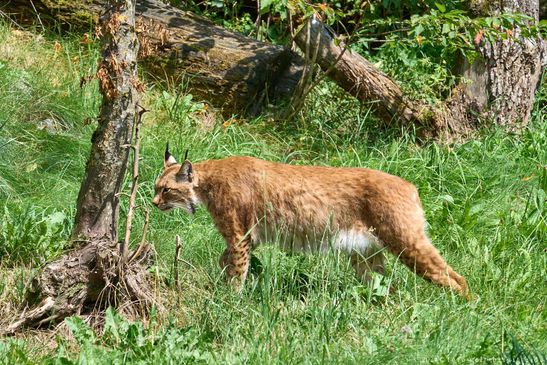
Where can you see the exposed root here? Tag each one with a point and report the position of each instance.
(89, 277)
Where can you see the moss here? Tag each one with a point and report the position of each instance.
(77, 13)
(479, 7)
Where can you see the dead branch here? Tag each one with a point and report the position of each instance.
(134, 184)
(136, 254)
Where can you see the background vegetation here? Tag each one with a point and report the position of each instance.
(485, 201)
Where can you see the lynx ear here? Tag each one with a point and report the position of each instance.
(185, 173)
(169, 159)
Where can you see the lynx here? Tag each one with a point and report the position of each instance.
(356, 211)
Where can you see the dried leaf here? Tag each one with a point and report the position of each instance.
(478, 37)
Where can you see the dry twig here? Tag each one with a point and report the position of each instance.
(176, 262)
(134, 183)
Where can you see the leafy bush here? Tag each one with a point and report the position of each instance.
(125, 342)
(32, 236)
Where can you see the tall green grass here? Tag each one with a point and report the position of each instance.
(484, 200)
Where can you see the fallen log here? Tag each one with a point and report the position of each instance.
(363, 80)
(237, 74)
(504, 95)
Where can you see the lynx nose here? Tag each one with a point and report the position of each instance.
(156, 201)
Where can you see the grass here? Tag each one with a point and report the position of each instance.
(484, 200)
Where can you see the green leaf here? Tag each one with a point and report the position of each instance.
(31, 167)
(447, 198)
(441, 7)
(217, 3)
(419, 28)
(265, 6)
(55, 218)
(80, 330)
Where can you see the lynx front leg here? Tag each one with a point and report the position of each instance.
(235, 261)
(236, 257)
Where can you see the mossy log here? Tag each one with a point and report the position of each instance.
(234, 73)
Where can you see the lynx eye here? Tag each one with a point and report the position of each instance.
(165, 190)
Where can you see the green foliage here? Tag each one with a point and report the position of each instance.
(179, 106)
(455, 31)
(14, 352)
(422, 75)
(131, 342)
(519, 354)
(31, 236)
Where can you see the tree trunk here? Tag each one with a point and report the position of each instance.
(97, 208)
(542, 10)
(503, 81)
(237, 74)
(97, 271)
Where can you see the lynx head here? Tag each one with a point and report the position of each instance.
(175, 187)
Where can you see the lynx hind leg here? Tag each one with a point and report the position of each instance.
(425, 260)
(365, 251)
(364, 263)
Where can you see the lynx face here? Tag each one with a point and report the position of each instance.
(175, 187)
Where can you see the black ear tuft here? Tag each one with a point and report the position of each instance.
(169, 159)
(185, 173)
(167, 153)
(186, 155)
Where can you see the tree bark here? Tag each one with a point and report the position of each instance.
(502, 82)
(97, 271)
(237, 74)
(97, 209)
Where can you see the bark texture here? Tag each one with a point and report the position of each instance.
(504, 80)
(97, 208)
(237, 74)
(86, 277)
